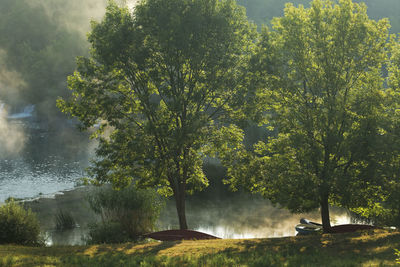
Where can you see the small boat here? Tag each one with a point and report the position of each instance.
(175, 235)
(307, 227)
(305, 221)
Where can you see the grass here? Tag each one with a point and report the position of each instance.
(372, 248)
(64, 220)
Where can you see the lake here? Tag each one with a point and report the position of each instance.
(51, 161)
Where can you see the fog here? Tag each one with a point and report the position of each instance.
(39, 41)
(41, 150)
(12, 137)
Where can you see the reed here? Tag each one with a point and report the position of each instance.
(64, 220)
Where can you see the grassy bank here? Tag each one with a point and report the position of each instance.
(373, 248)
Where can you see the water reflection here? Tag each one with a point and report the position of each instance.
(50, 161)
(65, 237)
(235, 216)
(242, 216)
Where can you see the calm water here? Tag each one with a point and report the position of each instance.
(48, 161)
(51, 161)
(238, 215)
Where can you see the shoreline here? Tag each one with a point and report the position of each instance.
(71, 201)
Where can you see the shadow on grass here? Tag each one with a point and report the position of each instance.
(123, 255)
(147, 249)
(354, 249)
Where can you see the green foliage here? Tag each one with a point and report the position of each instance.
(387, 211)
(126, 214)
(64, 220)
(8, 261)
(263, 11)
(397, 253)
(107, 233)
(322, 88)
(18, 226)
(161, 81)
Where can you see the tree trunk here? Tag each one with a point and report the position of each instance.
(180, 207)
(326, 223)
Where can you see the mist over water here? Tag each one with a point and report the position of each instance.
(12, 136)
(40, 152)
(241, 215)
(36, 161)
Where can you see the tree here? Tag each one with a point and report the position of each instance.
(161, 82)
(388, 212)
(262, 11)
(393, 200)
(324, 96)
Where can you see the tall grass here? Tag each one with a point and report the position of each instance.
(64, 220)
(126, 214)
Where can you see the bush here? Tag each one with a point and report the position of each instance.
(126, 214)
(107, 232)
(64, 220)
(18, 226)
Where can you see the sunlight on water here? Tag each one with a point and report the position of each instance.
(50, 162)
(47, 163)
(242, 216)
(21, 179)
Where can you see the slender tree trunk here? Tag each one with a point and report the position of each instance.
(326, 222)
(180, 207)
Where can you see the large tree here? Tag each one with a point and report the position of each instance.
(161, 81)
(323, 90)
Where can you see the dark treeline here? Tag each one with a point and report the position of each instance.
(262, 11)
(39, 41)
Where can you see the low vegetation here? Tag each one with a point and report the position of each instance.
(126, 214)
(18, 226)
(373, 248)
(64, 220)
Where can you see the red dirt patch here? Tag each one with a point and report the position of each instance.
(175, 235)
(347, 228)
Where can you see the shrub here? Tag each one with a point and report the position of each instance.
(18, 226)
(64, 220)
(106, 232)
(126, 214)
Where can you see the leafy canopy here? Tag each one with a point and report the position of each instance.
(160, 82)
(322, 89)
